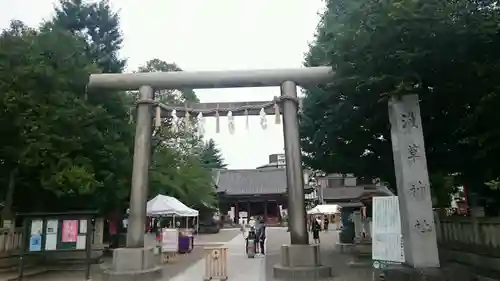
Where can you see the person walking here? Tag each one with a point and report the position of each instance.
(326, 223)
(316, 228)
(252, 222)
(261, 236)
(243, 229)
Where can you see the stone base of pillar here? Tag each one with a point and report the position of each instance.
(133, 264)
(362, 239)
(405, 273)
(363, 247)
(362, 254)
(301, 262)
(345, 248)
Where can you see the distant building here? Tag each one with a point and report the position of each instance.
(278, 160)
(253, 192)
(343, 189)
(275, 161)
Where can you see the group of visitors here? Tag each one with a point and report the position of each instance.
(255, 228)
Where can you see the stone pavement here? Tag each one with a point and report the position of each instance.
(241, 268)
(339, 262)
(169, 270)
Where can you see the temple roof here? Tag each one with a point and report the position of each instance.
(251, 181)
(354, 192)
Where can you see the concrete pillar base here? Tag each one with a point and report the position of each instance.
(301, 262)
(362, 254)
(345, 248)
(405, 273)
(362, 240)
(133, 264)
(361, 260)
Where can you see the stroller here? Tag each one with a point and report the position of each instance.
(251, 243)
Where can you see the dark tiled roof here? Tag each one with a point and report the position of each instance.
(255, 181)
(354, 192)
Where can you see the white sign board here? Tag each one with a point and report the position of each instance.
(169, 240)
(387, 242)
(36, 227)
(280, 158)
(51, 237)
(83, 227)
(81, 242)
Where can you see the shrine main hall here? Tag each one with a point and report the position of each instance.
(253, 192)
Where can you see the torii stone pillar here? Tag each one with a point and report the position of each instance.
(299, 259)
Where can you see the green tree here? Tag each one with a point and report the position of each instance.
(52, 128)
(442, 50)
(176, 168)
(211, 157)
(66, 150)
(98, 24)
(169, 96)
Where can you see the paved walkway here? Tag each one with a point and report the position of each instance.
(169, 270)
(339, 262)
(241, 268)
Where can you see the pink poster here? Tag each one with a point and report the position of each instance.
(69, 231)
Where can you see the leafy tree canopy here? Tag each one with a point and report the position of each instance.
(98, 24)
(62, 146)
(71, 149)
(211, 157)
(66, 149)
(177, 168)
(172, 96)
(442, 50)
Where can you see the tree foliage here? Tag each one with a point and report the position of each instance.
(177, 169)
(211, 157)
(98, 24)
(57, 141)
(442, 50)
(64, 147)
(170, 96)
(69, 150)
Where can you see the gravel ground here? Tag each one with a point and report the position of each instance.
(169, 270)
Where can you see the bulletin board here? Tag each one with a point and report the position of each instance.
(48, 232)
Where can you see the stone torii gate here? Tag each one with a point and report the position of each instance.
(299, 259)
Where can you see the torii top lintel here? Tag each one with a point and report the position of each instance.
(212, 79)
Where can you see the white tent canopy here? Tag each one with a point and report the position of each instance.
(163, 205)
(326, 209)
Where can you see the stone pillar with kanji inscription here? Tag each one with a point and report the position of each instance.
(417, 219)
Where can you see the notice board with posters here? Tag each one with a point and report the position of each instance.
(50, 234)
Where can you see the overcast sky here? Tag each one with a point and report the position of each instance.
(210, 35)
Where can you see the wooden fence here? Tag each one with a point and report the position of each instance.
(10, 242)
(481, 235)
(473, 243)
